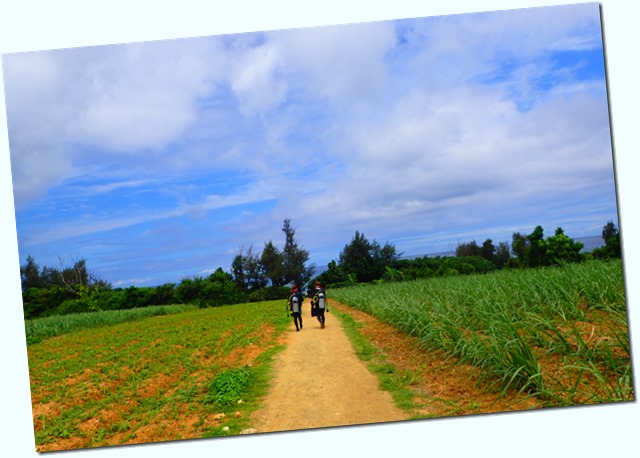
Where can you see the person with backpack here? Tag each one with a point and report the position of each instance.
(319, 304)
(294, 305)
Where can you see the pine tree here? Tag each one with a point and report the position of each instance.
(295, 258)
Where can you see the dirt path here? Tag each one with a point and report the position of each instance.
(320, 382)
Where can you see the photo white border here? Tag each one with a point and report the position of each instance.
(607, 430)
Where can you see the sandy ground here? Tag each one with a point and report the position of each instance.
(320, 382)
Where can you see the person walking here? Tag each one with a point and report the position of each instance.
(294, 303)
(319, 303)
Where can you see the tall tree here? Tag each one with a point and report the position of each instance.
(503, 255)
(295, 258)
(30, 274)
(356, 258)
(561, 249)
(272, 261)
(384, 254)
(75, 278)
(247, 270)
(253, 270)
(537, 248)
(488, 250)
(237, 269)
(520, 246)
(608, 231)
(366, 260)
(468, 249)
(612, 248)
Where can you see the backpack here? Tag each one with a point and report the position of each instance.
(294, 303)
(319, 299)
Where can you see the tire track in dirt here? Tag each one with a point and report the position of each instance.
(320, 382)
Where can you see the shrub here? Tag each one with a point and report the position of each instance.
(229, 387)
(271, 293)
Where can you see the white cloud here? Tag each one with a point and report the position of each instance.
(115, 99)
(466, 157)
(143, 96)
(113, 186)
(341, 128)
(132, 281)
(344, 64)
(255, 81)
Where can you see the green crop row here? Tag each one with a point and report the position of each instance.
(43, 328)
(559, 333)
(168, 377)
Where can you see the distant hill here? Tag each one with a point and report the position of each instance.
(590, 243)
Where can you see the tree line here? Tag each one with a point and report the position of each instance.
(254, 277)
(362, 261)
(267, 275)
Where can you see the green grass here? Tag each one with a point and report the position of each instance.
(159, 378)
(391, 379)
(108, 379)
(229, 386)
(43, 328)
(524, 329)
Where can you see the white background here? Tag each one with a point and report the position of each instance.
(608, 430)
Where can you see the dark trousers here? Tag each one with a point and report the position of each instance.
(320, 315)
(297, 320)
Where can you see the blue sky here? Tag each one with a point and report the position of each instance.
(157, 161)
